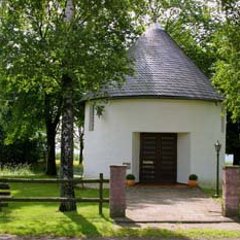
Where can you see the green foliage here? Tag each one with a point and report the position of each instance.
(232, 138)
(227, 77)
(40, 50)
(16, 170)
(20, 151)
(227, 72)
(91, 48)
(130, 177)
(209, 35)
(193, 177)
(33, 170)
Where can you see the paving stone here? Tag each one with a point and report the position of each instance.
(157, 204)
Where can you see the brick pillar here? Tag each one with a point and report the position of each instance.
(231, 191)
(117, 191)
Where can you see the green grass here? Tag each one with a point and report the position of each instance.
(178, 234)
(210, 234)
(44, 219)
(19, 170)
(37, 219)
(211, 192)
(34, 171)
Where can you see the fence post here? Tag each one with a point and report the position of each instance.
(117, 199)
(231, 191)
(100, 193)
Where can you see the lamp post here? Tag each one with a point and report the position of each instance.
(217, 146)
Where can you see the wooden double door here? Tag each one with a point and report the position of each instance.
(158, 158)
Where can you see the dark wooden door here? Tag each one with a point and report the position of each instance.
(158, 158)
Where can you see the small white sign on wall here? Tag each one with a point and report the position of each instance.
(127, 164)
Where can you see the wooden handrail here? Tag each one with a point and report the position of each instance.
(51, 199)
(50, 180)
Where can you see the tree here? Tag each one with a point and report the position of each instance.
(227, 71)
(209, 35)
(23, 151)
(43, 52)
(227, 68)
(31, 104)
(79, 131)
(25, 116)
(52, 113)
(233, 141)
(20, 131)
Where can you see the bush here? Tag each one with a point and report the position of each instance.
(193, 177)
(21, 152)
(16, 170)
(130, 177)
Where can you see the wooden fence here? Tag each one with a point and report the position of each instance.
(100, 199)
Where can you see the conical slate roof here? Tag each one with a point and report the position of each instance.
(163, 70)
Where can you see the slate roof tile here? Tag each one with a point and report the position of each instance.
(163, 70)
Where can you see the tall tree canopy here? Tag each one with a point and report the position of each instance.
(227, 67)
(43, 54)
(227, 71)
(208, 32)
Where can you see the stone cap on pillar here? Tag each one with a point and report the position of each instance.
(232, 167)
(118, 166)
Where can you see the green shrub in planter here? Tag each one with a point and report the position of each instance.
(130, 177)
(193, 177)
(130, 180)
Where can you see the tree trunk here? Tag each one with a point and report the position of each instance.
(236, 156)
(51, 125)
(66, 170)
(81, 145)
(51, 169)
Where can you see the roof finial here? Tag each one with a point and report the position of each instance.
(155, 22)
(155, 18)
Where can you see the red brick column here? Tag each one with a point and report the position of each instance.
(231, 191)
(117, 191)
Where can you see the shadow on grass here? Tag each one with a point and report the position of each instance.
(81, 225)
(4, 215)
(67, 225)
(7, 212)
(150, 233)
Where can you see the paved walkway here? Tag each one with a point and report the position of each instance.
(154, 205)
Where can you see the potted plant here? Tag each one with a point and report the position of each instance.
(130, 180)
(193, 180)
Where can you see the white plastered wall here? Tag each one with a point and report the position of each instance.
(116, 134)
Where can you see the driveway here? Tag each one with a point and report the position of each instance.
(177, 205)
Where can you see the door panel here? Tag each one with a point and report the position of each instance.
(158, 157)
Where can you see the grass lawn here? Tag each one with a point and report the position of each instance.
(37, 219)
(44, 218)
